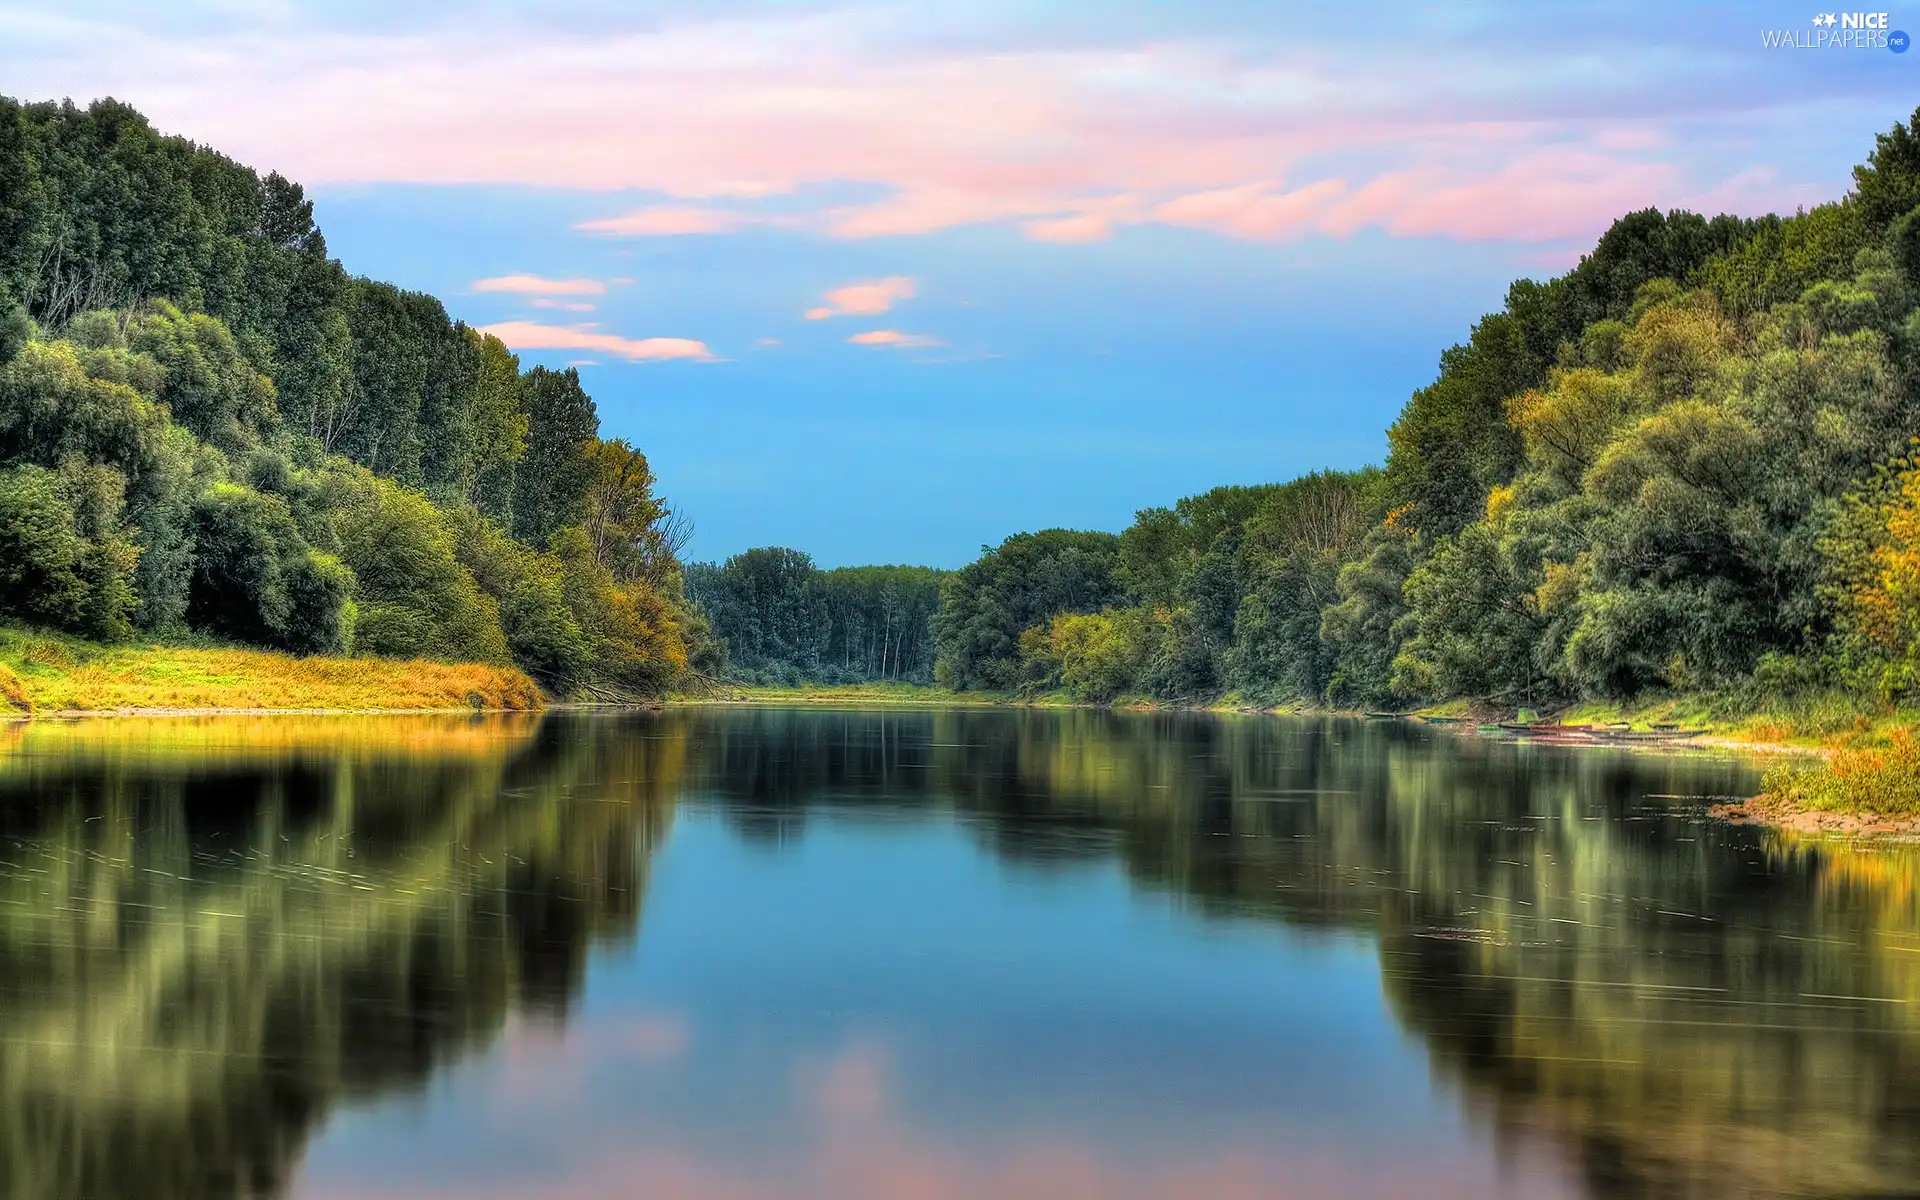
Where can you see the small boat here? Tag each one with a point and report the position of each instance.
(1385, 716)
(1444, 720)
(1537, 729)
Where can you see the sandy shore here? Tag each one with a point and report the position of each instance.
(1765, 810)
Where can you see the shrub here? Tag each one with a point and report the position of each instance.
(415, 598)
(1872, 780)
(256, 579)
(64, 559)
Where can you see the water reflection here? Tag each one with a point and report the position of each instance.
(215, 934)
(1685, 1007)
(212, 932)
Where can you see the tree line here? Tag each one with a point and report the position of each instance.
(783, 621)
(1682, 466)
(207, 426)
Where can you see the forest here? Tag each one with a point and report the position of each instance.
(209, 429)
(783, 621)
(1685, 466)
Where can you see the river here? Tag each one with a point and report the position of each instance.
(736, 953)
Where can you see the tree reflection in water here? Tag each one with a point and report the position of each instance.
(214, 931)
(1687, 1007)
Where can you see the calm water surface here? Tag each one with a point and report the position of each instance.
(752, 953)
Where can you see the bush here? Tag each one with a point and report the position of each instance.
(323, 614)
(247, 547)
(529, 589)
(415, 598)
(41, 555)
(64, 560)
(1876, 780)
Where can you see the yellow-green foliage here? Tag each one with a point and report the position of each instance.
(1093, 656)
(1878, 779)
(44, 673)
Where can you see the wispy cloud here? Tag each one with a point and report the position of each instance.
(1262, 210)
(531, 335)
(1070, 133)
(535, 285)
(667, 220)
(865, 299)
(567, 305)
(894, 339)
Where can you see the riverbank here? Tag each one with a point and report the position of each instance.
(1863, 776)
(45, 674)
(875, 695)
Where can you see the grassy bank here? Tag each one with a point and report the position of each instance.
(44, 673)
(1862, 772)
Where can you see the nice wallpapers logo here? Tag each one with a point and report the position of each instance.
(1841, 31)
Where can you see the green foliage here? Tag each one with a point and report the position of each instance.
(206, 382)
(50, 571)
(633, 632)
(781, 621)
(528, 587)
(1092, 656)
(415, 598)
(206, 424)
(623, 517)
(250, 562)
(1025, 581)
(1887, 186)
(16, 330)
(560, 465)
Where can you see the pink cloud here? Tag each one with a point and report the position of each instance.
(895, 339)
(1254, 210)
(857, 1143)
(1056, 137)
(1554, 193)
(1092, 221)
(568, 305)
(534, 285)
(531, 335)
(864, 299)
(666, 221)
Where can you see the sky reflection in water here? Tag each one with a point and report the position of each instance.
(980, 953)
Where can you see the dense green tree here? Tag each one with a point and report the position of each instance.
(551, 482)
(255, 578)
(415, 599)
(40, 550)
(1023, 582)
(542, 632)
(496, 428)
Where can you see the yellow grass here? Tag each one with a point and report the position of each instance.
(44, 673)
(266, 737)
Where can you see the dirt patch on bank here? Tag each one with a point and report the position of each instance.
(1784, 814)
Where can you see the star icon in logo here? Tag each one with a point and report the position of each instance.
(1827, 20)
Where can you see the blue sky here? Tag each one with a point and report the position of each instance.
(1063, 261)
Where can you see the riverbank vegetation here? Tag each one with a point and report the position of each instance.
(44, 673)
(1682, 473)
(784, 622)
(209, 430)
